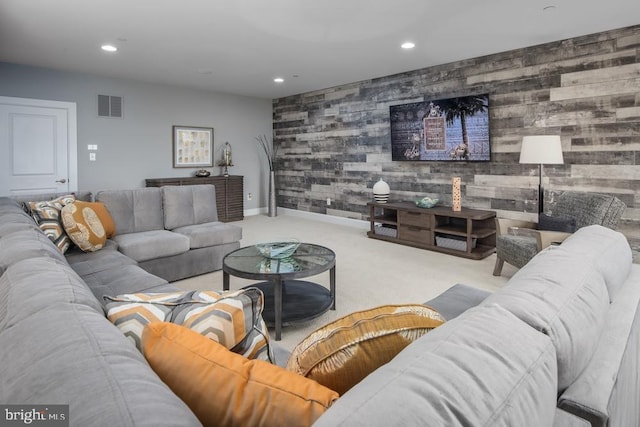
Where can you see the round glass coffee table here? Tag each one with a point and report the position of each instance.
(287, 300)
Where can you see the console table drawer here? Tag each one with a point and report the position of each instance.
(414, 234)
(418, 219)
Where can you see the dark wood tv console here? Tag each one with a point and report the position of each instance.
(470, 233)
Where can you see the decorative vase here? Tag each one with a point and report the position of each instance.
(381, 191)
(456, 198)
(273, 210)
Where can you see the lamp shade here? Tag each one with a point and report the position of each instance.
(541, 149)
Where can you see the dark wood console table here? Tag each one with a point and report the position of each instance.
(470, 233)
(229, 192)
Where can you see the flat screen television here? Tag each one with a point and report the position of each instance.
(451, 129)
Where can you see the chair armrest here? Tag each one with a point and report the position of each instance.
(546, 238)
(503, 225)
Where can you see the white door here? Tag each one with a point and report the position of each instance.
(37, 146)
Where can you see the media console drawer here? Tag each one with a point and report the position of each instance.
(414, 234)
(419, 219)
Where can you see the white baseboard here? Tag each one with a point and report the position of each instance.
(255, 211)
(358, 223)
(331, 219)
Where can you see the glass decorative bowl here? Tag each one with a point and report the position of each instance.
(278, 250)
(426, 202)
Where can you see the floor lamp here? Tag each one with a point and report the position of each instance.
(541, 150)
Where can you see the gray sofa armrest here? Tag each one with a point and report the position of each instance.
(590, 396)
(566, 419)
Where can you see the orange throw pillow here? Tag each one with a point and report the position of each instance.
(226, 389)
(83, 226)
(105, 218)
(342, 353)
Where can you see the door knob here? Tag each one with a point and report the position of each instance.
(61, 181)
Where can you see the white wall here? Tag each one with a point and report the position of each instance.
(139, 146)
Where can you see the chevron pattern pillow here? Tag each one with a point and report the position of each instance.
(233, 319)
(132, 312)
(46, 214)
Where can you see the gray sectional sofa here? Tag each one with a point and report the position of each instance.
(56, 345)
(559, 345)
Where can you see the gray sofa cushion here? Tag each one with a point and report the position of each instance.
(26, 244)
(7, 228)
(188, 205)
(13, 211)
(35, 284)
(69, 354)
(145, 245)
(562, 295)
(192, 263)
(85, 263)
(124, 279)
(607, 250)
(485, 368)
(86, 196)
(134, 210)
(210, 234)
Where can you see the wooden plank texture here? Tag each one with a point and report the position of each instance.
(336, 142)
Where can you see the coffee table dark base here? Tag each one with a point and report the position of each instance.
(301, 301)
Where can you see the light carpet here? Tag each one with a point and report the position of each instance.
(369, 272)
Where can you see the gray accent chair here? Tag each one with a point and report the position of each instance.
(518, 241)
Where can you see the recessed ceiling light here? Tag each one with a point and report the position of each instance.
(407, 45)
(108, 48)
(278, 80)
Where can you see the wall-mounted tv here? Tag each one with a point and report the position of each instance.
(452, 129)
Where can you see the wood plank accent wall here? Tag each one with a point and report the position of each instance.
(336, 143)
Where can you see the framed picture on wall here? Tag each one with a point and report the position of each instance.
(192, 146)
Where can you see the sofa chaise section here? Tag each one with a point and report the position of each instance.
(171, 232)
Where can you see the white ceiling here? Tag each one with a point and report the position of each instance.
(239, 46)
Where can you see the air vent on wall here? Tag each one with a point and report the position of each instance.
(109, 106)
